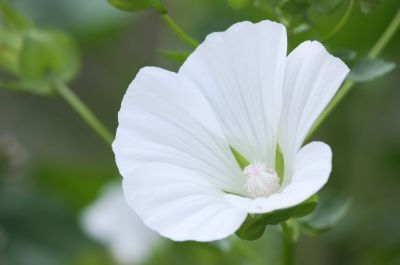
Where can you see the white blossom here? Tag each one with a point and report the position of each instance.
(110, 221)
(238, 91)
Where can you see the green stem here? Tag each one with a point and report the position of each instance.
(179, 31)
(242, 248)
(288, 246)
(386, 36)
(341, 23)
(82, 110)
(348, 84)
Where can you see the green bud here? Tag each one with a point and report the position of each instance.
(45, 53)
(12, 18)
(137, 5)
(10, 42)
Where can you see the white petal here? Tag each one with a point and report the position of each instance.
(111, 221)
(240, 72)
(180, 204)
(164, 118)
(311, 171)
(312, 77)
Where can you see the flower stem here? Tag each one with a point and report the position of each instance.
(82, 110)
(242, 248)
(348, 84)
(288, 246)
(385, 37)
(179, 31)
(342, 21)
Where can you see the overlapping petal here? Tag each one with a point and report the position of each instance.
(165, 119)
(180, 204)
(240, 72)
(312, 77)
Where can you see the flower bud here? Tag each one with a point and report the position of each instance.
(45, 53)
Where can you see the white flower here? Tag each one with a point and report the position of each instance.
(110, 221)
(237, 90)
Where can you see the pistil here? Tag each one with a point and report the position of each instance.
(261, 181)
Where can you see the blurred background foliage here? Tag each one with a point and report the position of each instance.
(52, 165)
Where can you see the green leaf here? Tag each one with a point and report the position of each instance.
(301, 28)
(328, 213)
(368, 69)
(296, 7)
(368, 5)
(346, 55)
(243, 162)
(12, 18)
(77, 185)
(41, 87)
(325, 6)
(48, 52)
(35, 222)
(179, 56)
(254, 225)
(239, 4)
(138, 5)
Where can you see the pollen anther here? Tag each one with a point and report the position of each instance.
(261, 181)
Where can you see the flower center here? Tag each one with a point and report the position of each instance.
(261, 180)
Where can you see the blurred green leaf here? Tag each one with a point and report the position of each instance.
(301, 28)
(346, 55)
(238, 4)
(296, 6)
(8, 60)
(12, 157)
(328, 213)
(10, 42)
(40, 87)
(254, 225)
(75, 185)
(45, 52)
(12, 18)
(93, 256)
(368, 5)
(179, 56)
(193, 253)
(138, 5)
(39, 229)
(368, 69)
(326, 6)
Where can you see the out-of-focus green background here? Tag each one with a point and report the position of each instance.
(52, 165)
